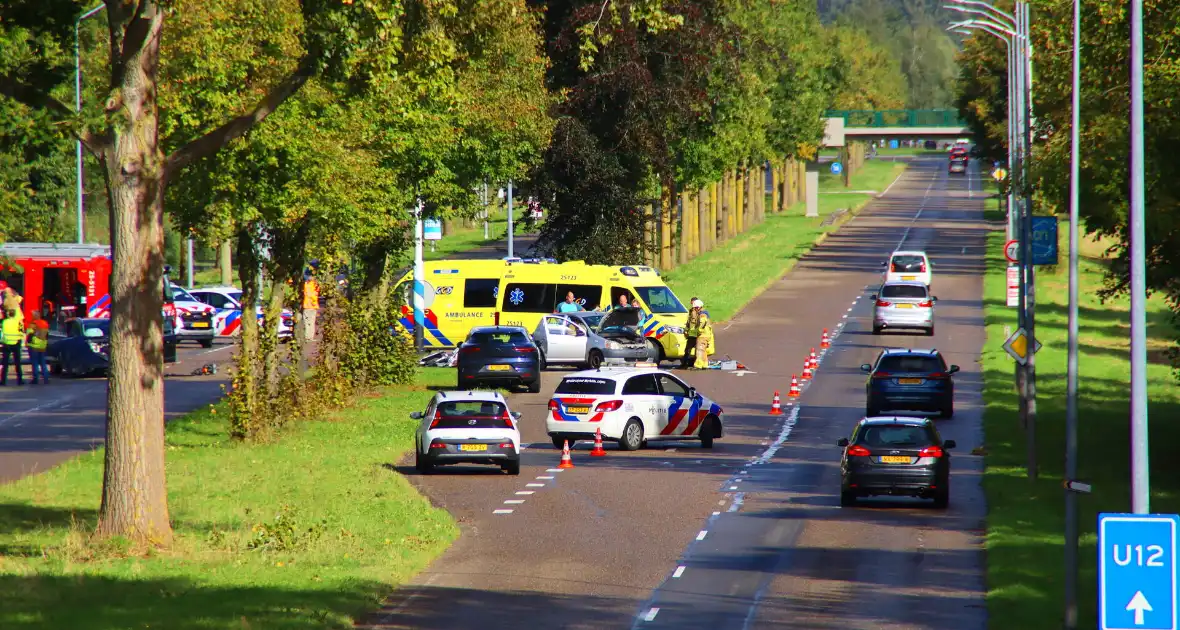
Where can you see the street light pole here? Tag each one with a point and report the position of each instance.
(1140, 474)
(1071, 362)
(78, 108)
(419, 280)
(511, 253)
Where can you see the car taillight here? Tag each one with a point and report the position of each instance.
(922, 268)
(507, 419)
(937, 375)
(610, 405)
(882, 375)
(525, 349)
(437, 417)
(926, 304)
(883, 303)
(468, 350)
(893, 268)
(506, 445)
(931, 451)
(858, 451)
(437, 444)
(553, 405)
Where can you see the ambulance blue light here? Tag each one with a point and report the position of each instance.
(628, 271)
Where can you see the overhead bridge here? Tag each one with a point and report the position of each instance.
(911, 123)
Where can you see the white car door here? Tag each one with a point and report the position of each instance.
(641, 396)
(563, 341)
(680, 410)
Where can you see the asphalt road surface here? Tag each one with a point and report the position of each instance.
(749, 534)
(41, 426)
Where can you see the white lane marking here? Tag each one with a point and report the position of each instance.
(514, 501)
(42, 407)
(922, 207)
(738, 500)
(844, 316)
(651, 614)
(669, 450)
(534, 485)
(679, 571)
(733, 487)
(716, 513)
(545, 477)
(501, 511)
(553, 469)
(886, 191)
(788, 426)
(525, 492)
(701, 536)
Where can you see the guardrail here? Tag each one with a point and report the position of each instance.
(898, 117)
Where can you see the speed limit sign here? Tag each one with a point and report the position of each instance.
(1012, 251)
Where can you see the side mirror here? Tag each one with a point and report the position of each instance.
(948, 445)
(883, 263)
(417, 415)
(842, 442)
(934, 298)
(954, 368)
(873, 296)
(516, 415)
(866, 367)
(692, 392)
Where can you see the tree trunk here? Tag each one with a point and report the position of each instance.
(667, 207)
(685, 233)
(723, 215)
(702, 243)
(134, 494)
(246, 392)
(227, 273)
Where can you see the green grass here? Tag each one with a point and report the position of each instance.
(736, 271)
(375, 530)
(1025, 521)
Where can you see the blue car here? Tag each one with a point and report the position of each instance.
(81, 346)
(917, 380)
(499, 356)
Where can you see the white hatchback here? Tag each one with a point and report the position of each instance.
(472, 427)
(631, 406)
(909, 266)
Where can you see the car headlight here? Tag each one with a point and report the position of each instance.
(612, 345)
(99, 350)
(675, 330)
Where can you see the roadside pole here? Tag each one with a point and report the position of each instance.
(190, 262)
(1021, 223)
(485, 210)
(510, 236)
(1071, 363)
(1140, 474)
(419, 280)
(1030, 291)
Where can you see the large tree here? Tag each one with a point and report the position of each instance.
(336, 37)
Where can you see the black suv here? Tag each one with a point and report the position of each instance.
(918, 380)
(895, 456)
(499, 355)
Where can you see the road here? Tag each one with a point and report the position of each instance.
(750, 534)
(41, 426)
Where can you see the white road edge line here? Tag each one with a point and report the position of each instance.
(651, 614)
(679, 571)
(701, 536)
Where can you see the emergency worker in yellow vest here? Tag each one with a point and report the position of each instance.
(704, 345)
(37, 340)
(691, 329)
(12, 331)
(311, 304)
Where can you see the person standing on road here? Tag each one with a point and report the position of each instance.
(704, 345)
(691, 330)
(311, 304)
(11, 332)
(37, 340)
(570, 305)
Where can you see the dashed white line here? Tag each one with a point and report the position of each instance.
(545, 477)
(524, 492)
(669, 450)
(651, 614)
(552, 470)
(716, 513)
(514, 501)
(701, 536)
(534, 485)
(501, 511)
(679, 571)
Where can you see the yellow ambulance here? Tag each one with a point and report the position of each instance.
(463, 294)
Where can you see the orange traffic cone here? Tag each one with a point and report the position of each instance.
(814, 360)
(824, 342)
(794, 391)
(776, 407)
(806, 369)
(597, 451)
(566, 462)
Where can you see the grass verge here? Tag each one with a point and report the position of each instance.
(1025, 524)
(736, 271)
(305, 532)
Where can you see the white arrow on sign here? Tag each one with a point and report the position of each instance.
(1138, 604)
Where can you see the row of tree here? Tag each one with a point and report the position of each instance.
(1105, 124)
(304, 129)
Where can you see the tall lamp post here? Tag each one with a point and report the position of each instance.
(78, 108)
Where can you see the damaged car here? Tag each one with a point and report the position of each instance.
(592, 339)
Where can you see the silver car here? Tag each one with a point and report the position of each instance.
(589, 338)
(904, 305)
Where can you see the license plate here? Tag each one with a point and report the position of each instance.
(909, 277)
(904, 305)
(910, 381)
(895, 459)
(199, 325)
(499, 368)
(578, 410)
(470, 448)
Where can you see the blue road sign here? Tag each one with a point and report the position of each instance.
(431, 230)
(1044, 240)
(837, 168)
(1137, 571)
(893, 144)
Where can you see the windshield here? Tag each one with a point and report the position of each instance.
(96, 329)
(591, 321)
(236, 296)
(586, 386)
(895, 436)
(903, 363)
(908, 263)
(498, 339)
(903, 291)
(660, 300)
(180, 294)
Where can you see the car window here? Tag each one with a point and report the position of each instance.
(585, 385)
(907, 263)
(895, 436)
(469, 414)
(587, 296)
(512, 338)
(216, 300)
(903, 291)
(671, 387)
(911, 363)
(95, 330)
(480, 292)
(591, 321)
(234, 299)
(642, 385)
(529, 297)
(180, 295)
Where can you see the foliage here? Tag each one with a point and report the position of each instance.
(285, 532)
(865, 76)
(36, 176)
(377, 355)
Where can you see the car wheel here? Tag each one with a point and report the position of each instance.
(512, 468)
(655, 352)
(559, 442)
(930, 331)
(632, 438)
(421, 464)
(708, 432)
(876, 330)
(55, 368)
(947, 410)
(541, 363)
(206, 343)
(595, 359)
(942, 499)
(535, 386)
(847, 499)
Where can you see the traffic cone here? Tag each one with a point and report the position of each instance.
(814, 361)
(566, 462)
(806, 369)
(794, 391)
(776, 407)
(824, 342)
(597, 451)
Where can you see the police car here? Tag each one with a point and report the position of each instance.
(632, 406)
(227, 319)
(470, 427)
(194, 319)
